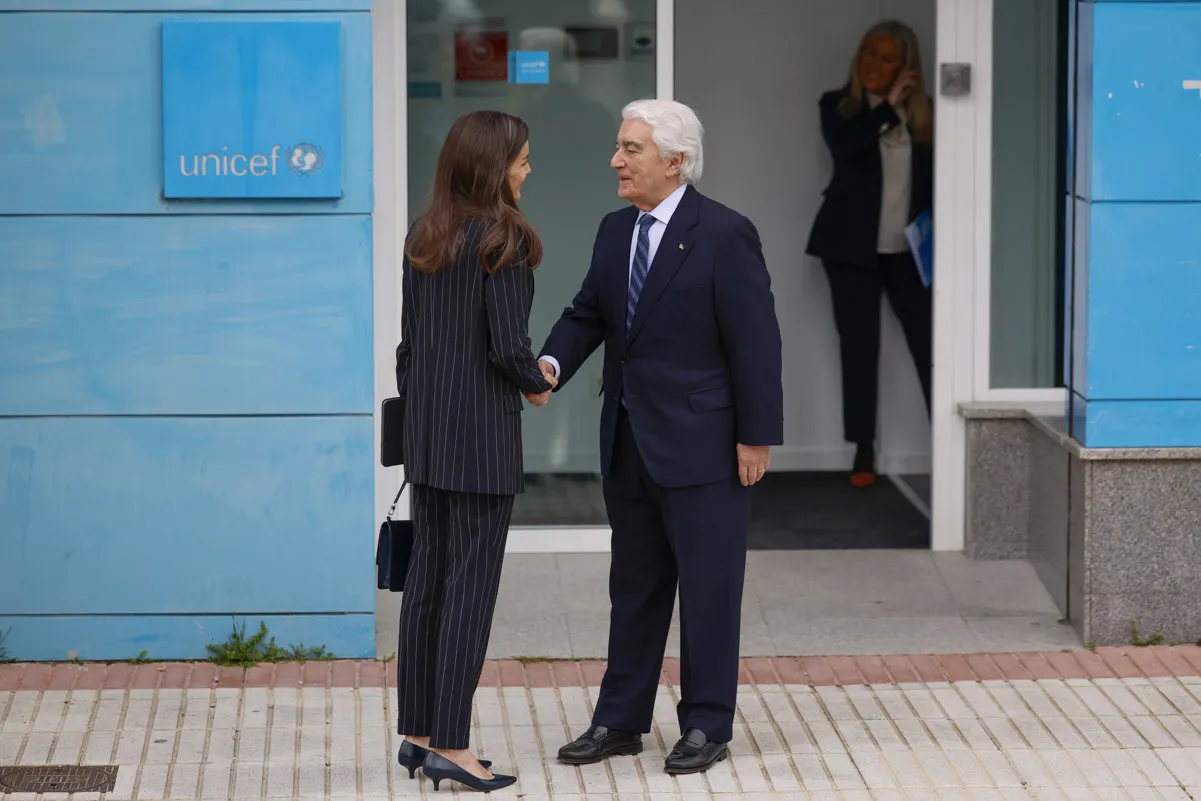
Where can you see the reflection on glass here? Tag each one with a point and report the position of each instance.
(1026, 338)
(456, 63)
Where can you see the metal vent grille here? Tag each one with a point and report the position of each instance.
(58, 779)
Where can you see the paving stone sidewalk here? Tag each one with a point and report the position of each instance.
(1115, 724)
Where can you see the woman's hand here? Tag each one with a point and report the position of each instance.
(902, 87)
(541, 399)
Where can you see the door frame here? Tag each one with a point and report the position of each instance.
(963, 290)
(963, 207)
(962, 239)
(390, 180)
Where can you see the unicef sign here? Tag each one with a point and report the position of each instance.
(252, 110)
(303, 159)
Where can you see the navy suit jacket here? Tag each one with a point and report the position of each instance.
(700, 370)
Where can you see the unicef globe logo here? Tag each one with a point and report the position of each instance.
(305, 159)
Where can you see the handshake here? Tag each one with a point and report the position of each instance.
(548, 372)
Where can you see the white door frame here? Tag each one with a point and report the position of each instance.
(963, 208)
(390, 171)
(963, 244)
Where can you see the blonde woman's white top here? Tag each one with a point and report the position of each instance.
(896, 157)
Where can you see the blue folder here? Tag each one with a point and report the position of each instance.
(920, 235)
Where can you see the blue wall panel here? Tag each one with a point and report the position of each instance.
(117, 638)
(186, 387)
(1082, 119)
(1145, 121)
(186, 515)
(1137, 423)
(186, 315)
(81, 120)
(1077, 296)
(1144, 315)
(1136, 268)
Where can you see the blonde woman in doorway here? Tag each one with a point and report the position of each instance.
(879, 129)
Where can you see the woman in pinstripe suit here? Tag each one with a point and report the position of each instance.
(463, 364)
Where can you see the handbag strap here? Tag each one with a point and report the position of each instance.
(396, 500)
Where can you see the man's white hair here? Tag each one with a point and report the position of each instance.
(676, 129)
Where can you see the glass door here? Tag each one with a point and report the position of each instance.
(602, 54)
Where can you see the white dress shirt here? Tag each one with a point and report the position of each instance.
(662, 214)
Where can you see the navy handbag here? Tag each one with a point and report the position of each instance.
(394, 549)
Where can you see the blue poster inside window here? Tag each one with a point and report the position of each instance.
(529, 66)
(920, 234)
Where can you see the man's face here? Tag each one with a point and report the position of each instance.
(644, 177)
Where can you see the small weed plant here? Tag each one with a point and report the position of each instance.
(1139, 641)
(240, 650)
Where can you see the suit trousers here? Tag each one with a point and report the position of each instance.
(856, 293)
(446, 612)
(693, 537)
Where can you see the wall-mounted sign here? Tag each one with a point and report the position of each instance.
(425, 90)
(529, 66)
(481, 52)
(595, 41)
(641, 40)
(252, 109)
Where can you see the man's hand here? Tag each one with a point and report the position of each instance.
(542, 398)
(753, 462)
(548, 370)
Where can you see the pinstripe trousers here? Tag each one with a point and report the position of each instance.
(446, 612)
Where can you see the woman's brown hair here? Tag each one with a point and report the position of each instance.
(917, 105)
(471, 181)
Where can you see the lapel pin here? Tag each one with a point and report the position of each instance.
(681, 246)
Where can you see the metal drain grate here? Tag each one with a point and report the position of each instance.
(58, 779)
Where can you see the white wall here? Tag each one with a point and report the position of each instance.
(754, 72)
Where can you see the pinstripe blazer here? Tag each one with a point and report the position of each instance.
(463, 363)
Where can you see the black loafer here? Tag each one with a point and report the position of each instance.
(695, 754)
(600, 743)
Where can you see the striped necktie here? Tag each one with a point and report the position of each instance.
(641, 265)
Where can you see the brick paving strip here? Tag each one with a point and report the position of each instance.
(819, 671)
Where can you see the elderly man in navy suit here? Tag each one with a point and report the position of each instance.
(679, 294)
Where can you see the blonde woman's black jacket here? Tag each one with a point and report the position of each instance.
(847, 225)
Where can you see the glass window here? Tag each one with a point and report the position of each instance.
(602, 55)
(1028, 193)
